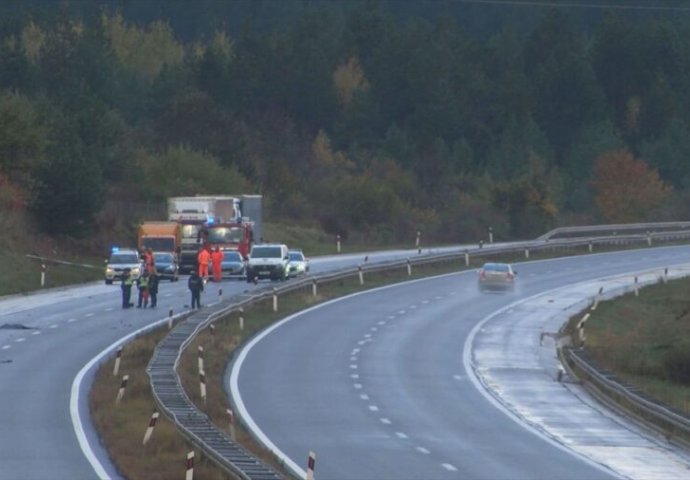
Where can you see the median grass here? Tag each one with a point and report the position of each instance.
(122, 427)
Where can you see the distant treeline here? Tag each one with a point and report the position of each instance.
(376, 117)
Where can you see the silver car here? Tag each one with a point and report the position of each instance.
(299, 264)
(496, 276)
(119, 261)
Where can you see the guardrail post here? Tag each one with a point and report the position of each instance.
(337, 243)
(275, 300)
(649, 239)
(212, 329)
(240, 320)
(481, 243)
(590, 247)
(526, 252)
(467, 258)
(43, 275)
(149, 429)
(491, 234)
(416, 243)
(361, 275)
(313, 288)
(118, 356)
(170, 319)
(409, 268)
(190, 467)
(637, 291)
(311, 463)
(665, 274)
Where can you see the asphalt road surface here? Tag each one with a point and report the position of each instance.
(432, 379)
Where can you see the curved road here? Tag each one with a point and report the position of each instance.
(383, 384)
(50, 343)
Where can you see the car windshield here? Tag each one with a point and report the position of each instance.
(496, 267)
(123, 258)
(225, 234)
(190, 231)
(232, 256)
(159, 243)
(266, 252)
(296, 256)
(163, 257)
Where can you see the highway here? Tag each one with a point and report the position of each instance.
(433, 379)
(50, 343)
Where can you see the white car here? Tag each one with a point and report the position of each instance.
(268, 260)
(299, 264)
(496, 276)
(119, 261)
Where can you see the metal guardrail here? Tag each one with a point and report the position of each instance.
(195, 425)
(614, 229)
(655, 414)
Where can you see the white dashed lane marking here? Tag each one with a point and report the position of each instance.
(37, 332)
(53, 326)
(71, 320)
(449, 467)
(90, 314)
(364, 396)
(385, 420)
(358, 386)
(6, 347)
(20, 340)
(423, 450)
(373, 408)
(401, 435)
(354, 375)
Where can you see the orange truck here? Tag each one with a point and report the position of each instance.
(159, 236)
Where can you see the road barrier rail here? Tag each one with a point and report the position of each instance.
(195, 425)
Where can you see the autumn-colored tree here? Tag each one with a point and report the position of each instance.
(627, 189)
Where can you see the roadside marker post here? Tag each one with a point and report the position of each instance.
(43, 275)
(637, 290)
(313, 288)
(170, 319)
(241, 319)
(590, 247)
(337, 244)
(416, 243)
(275, 300)
(231, 420)
(149, 430)
(311, 463)
(201, 358)
(212, 329)
(121, 391)
(665, 274)
(467, 258)
(526, 252)
(202, 385)
(118, 356)
(361, 275)
(190, 466)
(409, 268)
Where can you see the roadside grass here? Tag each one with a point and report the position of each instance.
(645, 340)
(122, 428)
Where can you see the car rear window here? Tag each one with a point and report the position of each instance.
(123, 258)
(497, 267)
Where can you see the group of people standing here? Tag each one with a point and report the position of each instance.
(147, 284)
(208, 256)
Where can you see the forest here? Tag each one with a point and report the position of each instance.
(375, 118)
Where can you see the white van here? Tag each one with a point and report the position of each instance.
(268, 260)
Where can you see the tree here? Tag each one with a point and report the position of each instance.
(626, 189)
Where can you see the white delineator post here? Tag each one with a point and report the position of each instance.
(240, 320)
(231, 420)
(409, 268)
(337, 244)
(202, 385)
(118, 356)
(361, 275)
(526, 252)
(313, 288)
(467, 259)
(201, 358)
(311, 463)
(149, 430)
(416, 243)
(637, 290)
(170, 319)
(43, 275)
(275, 300)
(190, 466)
(121, 390)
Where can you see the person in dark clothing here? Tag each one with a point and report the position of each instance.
(126, 287)
(196, 286)
(153, 288)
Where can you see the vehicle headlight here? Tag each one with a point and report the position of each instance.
(109, 271)
(135, 271)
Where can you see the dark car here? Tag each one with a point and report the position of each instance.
(496, 276)
(166, 265)
(233, 265)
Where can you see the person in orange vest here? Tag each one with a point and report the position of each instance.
(203, 258)
(217, 259)
(149, 261)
